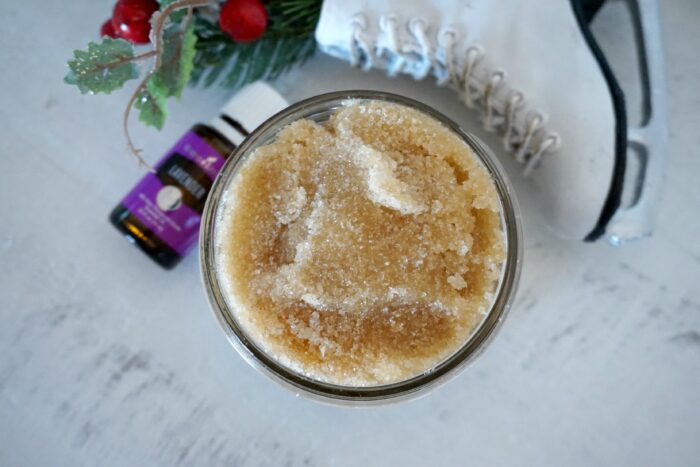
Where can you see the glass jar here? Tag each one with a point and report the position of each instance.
(319, 109)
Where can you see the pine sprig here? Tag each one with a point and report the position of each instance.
(292, 18)
(219, 59)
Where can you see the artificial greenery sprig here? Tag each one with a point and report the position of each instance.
(188, 46)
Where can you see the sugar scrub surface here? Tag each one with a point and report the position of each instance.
(362, 251)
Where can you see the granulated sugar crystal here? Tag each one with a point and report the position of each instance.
(364, 250)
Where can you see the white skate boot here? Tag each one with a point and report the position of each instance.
(540, 80)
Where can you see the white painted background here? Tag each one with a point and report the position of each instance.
(105, 359)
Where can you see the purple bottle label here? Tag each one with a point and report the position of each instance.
(170, 202)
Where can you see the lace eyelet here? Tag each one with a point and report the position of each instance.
(496, 78)
(549, 143)
(417, 24)
(534, 122)
(391, 51)
(516, 98)
(388, 21)
(447, 36)
(359, 21)
(514, 102)
(477, 50)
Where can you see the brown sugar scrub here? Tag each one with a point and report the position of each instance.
(364, 250)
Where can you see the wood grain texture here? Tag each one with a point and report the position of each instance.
(105, 359)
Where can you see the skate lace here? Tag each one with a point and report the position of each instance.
(435, 54)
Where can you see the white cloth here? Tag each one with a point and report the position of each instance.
(495, 52)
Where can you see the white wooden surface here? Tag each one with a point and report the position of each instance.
(105, 359)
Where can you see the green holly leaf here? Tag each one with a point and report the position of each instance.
(151, 103)
(176, 61)
(104, 67)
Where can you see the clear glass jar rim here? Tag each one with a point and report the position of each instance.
(346, 395)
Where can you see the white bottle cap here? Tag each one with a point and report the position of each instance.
(247, 109)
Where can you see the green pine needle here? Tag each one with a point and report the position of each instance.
(288, 42)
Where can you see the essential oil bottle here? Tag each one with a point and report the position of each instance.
(162, 213)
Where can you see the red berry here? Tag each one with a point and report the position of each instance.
(131, 19)
(107, 30)
(243, 20)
